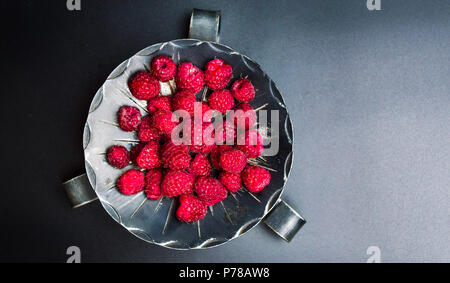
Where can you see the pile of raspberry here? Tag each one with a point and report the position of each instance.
(200, 175)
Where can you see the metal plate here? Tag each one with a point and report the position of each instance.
(155, 221)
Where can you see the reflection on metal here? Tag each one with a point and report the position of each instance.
(205, 25)
(284, 221)
(79, 191)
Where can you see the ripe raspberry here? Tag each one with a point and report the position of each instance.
(191, 209)
(217, 74)
(184, 100)
(255, 178)
(118, 156)
(221, 100)
(246, 118)
(159, 103)
(250, 143)
(131, 182)
(129, 118)
(233, 161)
(153, 184)
(135, 150)
(148, 158)
(243, 90)
(189, 77)
(146, 132)
(177, 160)
(210, 190)
(231, 181)
(177, 183)
(202, 137)
(144, 86)
(215, 155)
(162, 120)
(169, 148)
(207, 113)
(225, 132)
(200, 165)
(163, 68)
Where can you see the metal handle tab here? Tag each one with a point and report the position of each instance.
(284, 221)
(79, 191)
(205, 25)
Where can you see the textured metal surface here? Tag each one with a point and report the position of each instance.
(79, 191)
(205, 25)
(284, 221)
(154, 221)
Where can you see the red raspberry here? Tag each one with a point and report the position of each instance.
(184, 100)
(250, 143)
(163, 68)
(118, 156)
(210, 190)
(131, 182)
(231, 181)
(233, 161)
(148, 158)
(159, 103)
(221, 100)
(201, 140)
(162, 120)
(129, 118)
(215, 155)
(189, 77)
(243, 90)
(225, 132)
(169, 148)
(191, 209)
(177, 160)
(144, 86)
(200, 165)
(217, 74)
(146, 132)
(255, 178)
(153, 184)
(177, 183)
(135, 150)
(246, 117)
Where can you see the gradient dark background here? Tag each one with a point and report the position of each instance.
(368, 92)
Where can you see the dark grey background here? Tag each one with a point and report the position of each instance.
(368, 92)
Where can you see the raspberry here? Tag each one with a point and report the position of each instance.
(255, 178)
(202, 141)
(221, 100)
(146, 132)
(246, 118)
(233, 161)
(159, 103)
(184, 100)
(250, 143)
(231, 181)
(162, 120)
(243, 90)
(131, 182)
(200, 165)
(210, 190)
(144, 86)
(169, 148)
(217, 74)
(118, 156)
(225, 132)
(135, 150)
(215, 155)
(177, 183)
(129, 118)
(163, 68)
(191, 209)
(177, 160)
(153, 184)
(148, 158)
(189, 77)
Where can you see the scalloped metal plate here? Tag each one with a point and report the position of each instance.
(154, 221)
